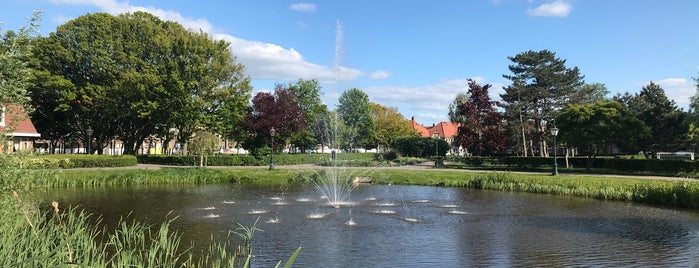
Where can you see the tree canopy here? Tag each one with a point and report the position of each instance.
(279, 110)
(597, 126)
(308, 93)
(389, 125)
(355, 112)
(541, 85)
(668, 124)
(481, 129)
(132, 76)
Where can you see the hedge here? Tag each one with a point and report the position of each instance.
(248, 160)
(654, 166)
(80, 161)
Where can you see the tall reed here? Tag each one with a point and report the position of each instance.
(68, 238)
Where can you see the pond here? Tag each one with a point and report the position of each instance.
(411, 226)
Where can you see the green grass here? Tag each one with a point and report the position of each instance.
(651, 191)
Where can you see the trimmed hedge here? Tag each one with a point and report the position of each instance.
(623, 165)
(248, 160)
(80, 161)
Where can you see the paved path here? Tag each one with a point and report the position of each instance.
(423, 166)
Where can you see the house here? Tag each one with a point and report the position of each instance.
(16, 125)
(445, 130)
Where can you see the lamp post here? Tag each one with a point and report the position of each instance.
(88, 131)
(436, 148)
(271, 155)
(554, 133)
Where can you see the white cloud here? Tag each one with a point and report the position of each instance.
(559, 8)
(381, 74)
(262, 60)
(678, 89)
(304, 7)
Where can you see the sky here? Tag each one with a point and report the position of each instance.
(416, 55)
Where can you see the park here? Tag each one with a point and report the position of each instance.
(149, 153)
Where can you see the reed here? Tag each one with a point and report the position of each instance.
(68, 238)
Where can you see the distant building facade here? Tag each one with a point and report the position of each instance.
(18, 127)
(445, 130)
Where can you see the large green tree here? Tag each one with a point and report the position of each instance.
(308, 93)
(594, 127)
(15, 48)
(693, 116)
(668, 123)
(133, 76)
(389, 125)
(541, 85)
(355, 112)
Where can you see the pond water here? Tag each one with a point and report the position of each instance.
(411, 226)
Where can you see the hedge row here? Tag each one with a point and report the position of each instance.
(655, 166)
(80, 161)
(248, 160)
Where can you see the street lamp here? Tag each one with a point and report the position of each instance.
(554, 133)
(436, 147)
(271, 155)
(88, 131)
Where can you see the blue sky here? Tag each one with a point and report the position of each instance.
(416, 55)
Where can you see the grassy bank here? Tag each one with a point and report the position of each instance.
(650, 191)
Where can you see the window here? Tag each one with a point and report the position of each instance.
(2, 116)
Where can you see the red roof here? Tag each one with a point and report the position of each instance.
(443, 129)
(15, 116)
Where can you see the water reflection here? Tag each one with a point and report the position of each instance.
(410, 226)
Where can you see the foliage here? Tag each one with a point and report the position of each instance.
(248, 160)
(308, 94)
(204, 143)
(541, 85)
(389, 125)
(134, 76)
(668, 124)
(421, 147)
(80, 161)
(280, 111)
(355, 111)
(71, 238)
(481, 128)
(594, 127)
(455, 113)
(15, 48)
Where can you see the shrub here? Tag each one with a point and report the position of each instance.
(80, 161)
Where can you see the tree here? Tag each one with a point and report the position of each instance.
(455, 113)
(693, 116)
(355, 112)
(541, 85)
(668, 124)
(481, 128)
(596, 126)
(203, 144)
(133, 76)
(590, 93)
(389, 125)
(15, 49)
(279, 111)
(308, 94)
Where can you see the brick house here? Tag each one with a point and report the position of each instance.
(445, 130)
(18, 127)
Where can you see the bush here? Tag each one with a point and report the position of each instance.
(420, 147)
(80, 161)
(249, 160)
